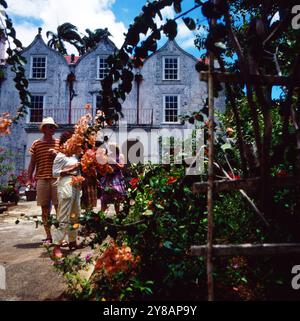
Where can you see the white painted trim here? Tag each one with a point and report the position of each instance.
(164, 109)
(98, 66)
(178, 68)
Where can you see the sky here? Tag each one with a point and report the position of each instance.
(116, 15)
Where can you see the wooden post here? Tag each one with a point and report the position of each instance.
(209, 263)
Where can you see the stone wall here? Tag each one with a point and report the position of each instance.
(55, 88)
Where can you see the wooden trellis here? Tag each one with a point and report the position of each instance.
(209, 250)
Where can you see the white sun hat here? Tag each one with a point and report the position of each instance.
(48, 121)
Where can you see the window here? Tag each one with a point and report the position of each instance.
(36, 109)
(38, 67)
(103, 68)
(171, 108)
(171, 68)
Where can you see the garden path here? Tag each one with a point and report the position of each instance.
(29, 274)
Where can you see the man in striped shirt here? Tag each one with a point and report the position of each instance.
(43, 152)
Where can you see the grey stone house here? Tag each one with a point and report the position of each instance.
(166, 87)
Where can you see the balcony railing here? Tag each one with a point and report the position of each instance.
(61, 115)
(133, 117)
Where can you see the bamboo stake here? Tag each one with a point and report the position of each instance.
(209, 263)
(248, 249)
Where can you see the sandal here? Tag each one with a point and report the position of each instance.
(64, 244)
(73, 245)
(47, 241)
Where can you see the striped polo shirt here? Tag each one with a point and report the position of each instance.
(43, 157)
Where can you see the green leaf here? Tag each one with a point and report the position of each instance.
(3, 4)
(170, 29)
(18, 43)
(190, 23)
(168, 244)
(148, 213)
(226, 146)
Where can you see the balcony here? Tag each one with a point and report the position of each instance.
(144, 117)
(61, 115)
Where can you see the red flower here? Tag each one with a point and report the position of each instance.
(133, 182)
(233, 176)
(171, 180)
(282, 173)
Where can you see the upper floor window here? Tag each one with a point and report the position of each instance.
(38, 67)
(36, 108)
(102, 68)
(171, 68)
(171, 108)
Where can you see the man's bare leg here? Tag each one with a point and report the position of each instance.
(45, 218)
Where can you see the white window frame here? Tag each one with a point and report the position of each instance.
(31, 66)
(98, 67)
(164, 66)
(29, 109)
(164, 109)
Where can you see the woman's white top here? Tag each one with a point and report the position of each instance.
(61, 161)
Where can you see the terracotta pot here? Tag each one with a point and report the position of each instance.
(30, 195)
(10, 198)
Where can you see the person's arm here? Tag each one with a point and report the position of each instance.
(69, 169)
(31, 169)
(121, 162)
(59, 168)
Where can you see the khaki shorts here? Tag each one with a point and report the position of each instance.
(46, 192)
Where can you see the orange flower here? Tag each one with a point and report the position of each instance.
(74, 145)
(87, 106)
(88, 163)
(117, 259)
(76, 226)
(5, 123)
(77, 181)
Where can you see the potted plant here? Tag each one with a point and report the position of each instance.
(10, 193)
(30, 194)
(30, 191)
